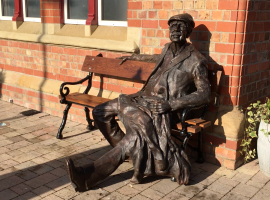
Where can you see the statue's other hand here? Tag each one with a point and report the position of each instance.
(160, 107)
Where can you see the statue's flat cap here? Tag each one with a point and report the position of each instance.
(183, 17)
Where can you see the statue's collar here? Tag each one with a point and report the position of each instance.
(185, 47)
(183, 53)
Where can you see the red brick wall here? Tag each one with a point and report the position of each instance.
(57, 63)
(51, 11)
(255, 61)
(231, 34)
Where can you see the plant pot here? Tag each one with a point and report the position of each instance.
(263, 149)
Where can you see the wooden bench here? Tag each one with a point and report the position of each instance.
(134, 71)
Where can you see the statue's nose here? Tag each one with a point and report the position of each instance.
(175, 28)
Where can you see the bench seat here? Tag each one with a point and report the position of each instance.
(195, 125)
(85, 99)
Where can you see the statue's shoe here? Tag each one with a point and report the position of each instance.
(76, 175)
(136, 178)
(160, 165)
(181, 172)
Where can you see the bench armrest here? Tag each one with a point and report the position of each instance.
(186, 111)
(62, 87)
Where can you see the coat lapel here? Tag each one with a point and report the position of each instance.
(182, 56)
(161, 58)
(158, 63)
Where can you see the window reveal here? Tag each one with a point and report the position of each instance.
(8, 7)
(32, 8)
(77, 9)
(112, 12)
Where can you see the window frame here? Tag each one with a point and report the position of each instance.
(29, 19)
(107, 22)
(5, 17)
(72, 21)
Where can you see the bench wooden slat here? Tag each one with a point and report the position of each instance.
(191, 129)
(205, 124)
(85, 99)
(135, 70)
(195, 121)
(199, 122)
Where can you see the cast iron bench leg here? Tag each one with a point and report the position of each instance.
(200, 158)
(185, 142)
(88, 119)
(62, 126)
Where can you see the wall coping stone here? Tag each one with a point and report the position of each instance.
(36, 32)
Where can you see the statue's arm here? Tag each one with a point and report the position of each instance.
(203, 93)
(142, 57)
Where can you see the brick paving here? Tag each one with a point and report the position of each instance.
(32, 166)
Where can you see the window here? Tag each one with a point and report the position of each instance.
(7, 8)
(31, 10)
(112, 12)
(76, 11)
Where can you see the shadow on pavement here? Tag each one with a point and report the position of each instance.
(33, 160)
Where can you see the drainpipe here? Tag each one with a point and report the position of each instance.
(242, 48)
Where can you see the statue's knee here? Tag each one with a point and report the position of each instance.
(96, 112)
(144, 120)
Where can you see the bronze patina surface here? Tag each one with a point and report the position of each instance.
(179, 79)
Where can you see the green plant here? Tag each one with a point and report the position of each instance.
(254, 114)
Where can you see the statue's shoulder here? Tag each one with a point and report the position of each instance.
(165, 48)
(195, 54)
(167, 45)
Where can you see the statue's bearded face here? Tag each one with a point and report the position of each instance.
(178, 31)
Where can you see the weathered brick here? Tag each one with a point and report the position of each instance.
(151, 32)
(188, 4)
(150, 23)
(204, 14)
(178, 4)
(134, 23)
(152, 14)
(157, 4)
(200, 4)
(167, 5)
(135, 5)
(147, 5)
(162, 14)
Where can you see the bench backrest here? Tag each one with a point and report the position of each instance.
(134, 70)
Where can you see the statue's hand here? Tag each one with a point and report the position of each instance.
(124, 58)
(160, 107)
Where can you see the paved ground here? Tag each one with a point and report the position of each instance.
(32, 166)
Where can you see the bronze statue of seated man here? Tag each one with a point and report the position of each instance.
(148, 114)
